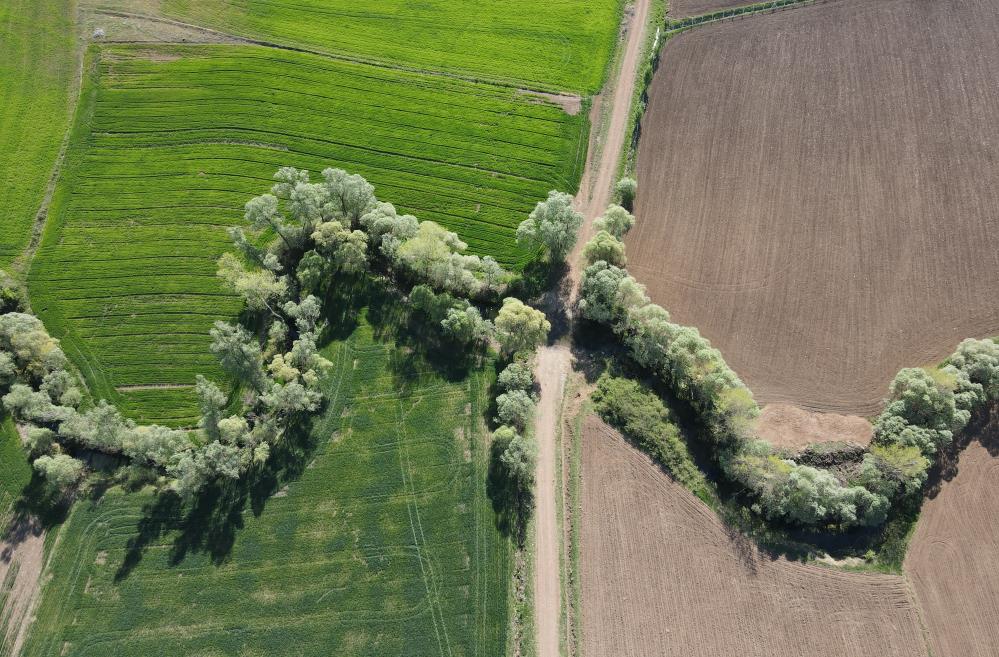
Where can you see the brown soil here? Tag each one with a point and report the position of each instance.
(783, 425)
(664, 577)
(24, 545)
(685, 8)
(954, 552)
(817, 192)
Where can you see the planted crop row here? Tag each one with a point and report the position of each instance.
(169, 146)
(559, 45)
(385, 545)
(35, 75)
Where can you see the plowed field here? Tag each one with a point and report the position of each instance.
(685, 8)
(953, 555)
(817, 192)
(663, 577)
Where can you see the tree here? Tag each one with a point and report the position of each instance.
(239, 354)
(514, 408)
(38, 440)
(155, 444)
(979, 359)
(261, 289)
(520, 327)
(615, 220)
(101, 427)
(520, 459)
(625, 189)
(346, 249)
(60, 471)
(466, 326)
(608, 293)
(921, 411)
(34, 352)
(606, 247)
(211, 401)
(26, 404)
(516, 376)
(553, 224)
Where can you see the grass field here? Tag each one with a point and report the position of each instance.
(559, 45)
(386, 543)
(36, 73)
(15, 471)
(170, 143)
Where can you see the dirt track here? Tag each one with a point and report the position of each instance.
(554, 361)
(817, 192)
(954, 553)
(25, 549)
(663, 578)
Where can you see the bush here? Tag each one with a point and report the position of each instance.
(514, 408)
(643, 418)
(516, 376)
(625, 190)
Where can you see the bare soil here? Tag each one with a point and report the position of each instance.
(817, 192)
(954, 551)
(663, 577)
(24, 546)
(687, 8)
(784, 425)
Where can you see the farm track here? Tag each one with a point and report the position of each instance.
(841, 229)
(664, 577)
(555, 361)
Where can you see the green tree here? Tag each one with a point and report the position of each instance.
(606, 247)
(553, 225)
(520, 327)
(514, 408)
(239, 354)
(60, 471)
(615, 220)
(625, 190)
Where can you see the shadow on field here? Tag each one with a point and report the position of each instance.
(983, 428)
(209, 523)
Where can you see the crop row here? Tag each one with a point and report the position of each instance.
(557, 45)
(384, 545)
(170, 144)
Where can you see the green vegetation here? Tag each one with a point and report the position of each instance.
(642, 417)
(36, 72)
(379, 540)
(170, 143)
(15, 471)
(556, 45)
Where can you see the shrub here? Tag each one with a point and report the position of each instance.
(516, 376)
(514, 408)
(625, 189)
(615, 220)
(60, 471)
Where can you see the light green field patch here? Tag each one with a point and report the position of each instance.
(170, 143)
(362, 554)
(36, 73)
(559, 45)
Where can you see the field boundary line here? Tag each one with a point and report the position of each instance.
(496, 82)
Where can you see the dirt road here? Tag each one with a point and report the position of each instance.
(554, 361)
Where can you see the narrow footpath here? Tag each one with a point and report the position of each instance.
(554, 362)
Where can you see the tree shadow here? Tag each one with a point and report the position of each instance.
(210, 522)
(511, 507)
(983, 428)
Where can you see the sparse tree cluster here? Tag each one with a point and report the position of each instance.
(514, 409)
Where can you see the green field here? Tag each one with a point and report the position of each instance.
(386, 544)
(36, 73)
(170, 143)
(559, 45)
(15, 471)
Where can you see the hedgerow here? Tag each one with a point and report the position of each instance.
(925, 408)
(167, 149)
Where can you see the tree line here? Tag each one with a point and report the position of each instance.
(924, 409)
(305, 235)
